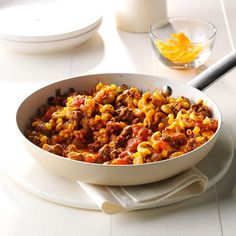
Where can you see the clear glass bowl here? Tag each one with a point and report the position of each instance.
(201, 34)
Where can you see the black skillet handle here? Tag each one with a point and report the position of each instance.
(214, 72)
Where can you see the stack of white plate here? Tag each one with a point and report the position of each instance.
(42, 26)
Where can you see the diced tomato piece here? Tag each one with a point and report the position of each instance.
(179, 136)
(124, 154)
(141, 132)
(122, 161)
(89, 158)
(132, 144)
(214, 125)
(99, 125)
(162, 145)
(136, 129)
(144, 133)
(49, 112)
(78, 101)
(56, 139)
(199, 124)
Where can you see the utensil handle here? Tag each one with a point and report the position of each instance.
(214, 72)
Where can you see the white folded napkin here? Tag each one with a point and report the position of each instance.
(113, 200)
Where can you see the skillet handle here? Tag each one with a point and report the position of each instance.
(214, 72)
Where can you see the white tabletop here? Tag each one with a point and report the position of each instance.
(111, 50)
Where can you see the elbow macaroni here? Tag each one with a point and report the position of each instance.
(121, 125)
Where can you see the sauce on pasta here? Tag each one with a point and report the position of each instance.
(120, 125)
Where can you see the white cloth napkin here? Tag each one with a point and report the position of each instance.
(113, 200)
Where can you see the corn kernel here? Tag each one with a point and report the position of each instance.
(199, 101)
(179, 99)
(61, 133)
(35, 123)
(196, 131)
(170, 121)
(172, 100)
(138, 158)
(208, 134)
(97, 117)
(59, 120)
(182, 125)
(176, 154)
(107, 108)
(171, 116)
(135, 101)
(206, 121)
(114, 86)
(174, 125)
(52, 122)
(119, 90)
(99, 86)
(185, 116)
(43, 139)
(45, 146)
(161, 125)
(159, 96)
(164, 153)
(166, 108)
(194, 117)
(59, 126)
(106, 116)
(58, 114)
(200, 139)
(186, 105)
(102, 131)
(71, 127)
(100, 139)
(48, 126)
(65, 125)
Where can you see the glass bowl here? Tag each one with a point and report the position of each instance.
(183, 42)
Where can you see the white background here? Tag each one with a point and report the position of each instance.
(111, 50)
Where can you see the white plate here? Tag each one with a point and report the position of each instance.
(40, 20)
(48, 46)
(33, 177)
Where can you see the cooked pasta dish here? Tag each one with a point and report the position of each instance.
(120, 125)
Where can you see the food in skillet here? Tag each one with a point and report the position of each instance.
(120, 125)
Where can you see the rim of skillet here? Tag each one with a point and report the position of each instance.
(219, 119)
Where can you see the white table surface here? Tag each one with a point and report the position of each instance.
(111, 50)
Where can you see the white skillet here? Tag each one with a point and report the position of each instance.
(123, 174)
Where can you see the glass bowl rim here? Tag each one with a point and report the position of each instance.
(168, 19)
